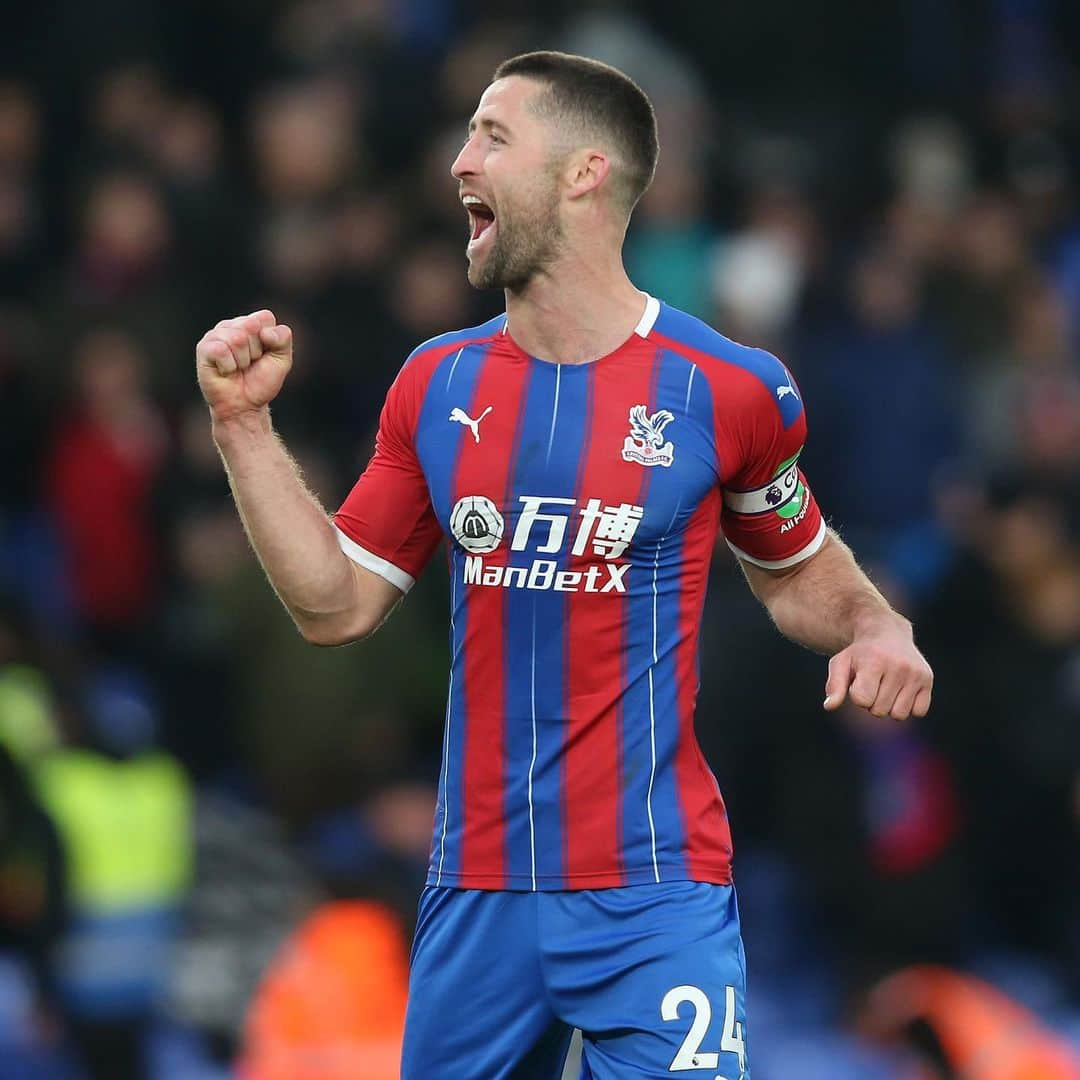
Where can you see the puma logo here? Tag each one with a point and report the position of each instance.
(461, 417)
(787, 388)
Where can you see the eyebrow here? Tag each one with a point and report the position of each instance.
(488, 123)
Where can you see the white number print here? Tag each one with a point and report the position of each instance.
(731, 1040)
(690, 1055)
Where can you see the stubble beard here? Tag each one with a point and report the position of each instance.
(526, 244)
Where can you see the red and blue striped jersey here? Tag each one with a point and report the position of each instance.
(581, 504)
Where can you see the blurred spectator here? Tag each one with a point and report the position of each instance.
(363, 708)
(122, 272)
(187, 144)
(128, 109)
(202, 550)
(672, 239)
(760, 272)
(1025, 405)
(332, 1005)
(426, 292)
(302, 141)
(907, 895)
(21, 254)
(673, 242)
(880, 393)
(100, 469)
(377, 850)
(32, 877)
(22, 229)
(931, 164)
(964, 1027)
(122, 810)
(125, 234)
(20, 129)
(371, 860)
(985, 260)
(249, 892)
(1009, 610)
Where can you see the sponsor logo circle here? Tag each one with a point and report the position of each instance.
(476, 524)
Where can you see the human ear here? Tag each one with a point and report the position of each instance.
(586, 171)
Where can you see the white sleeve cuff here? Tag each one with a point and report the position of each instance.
(782, 564)
(375, 563)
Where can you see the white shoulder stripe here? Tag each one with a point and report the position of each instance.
(375, 563)
(782, 564)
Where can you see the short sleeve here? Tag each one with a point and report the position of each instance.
(386, 523)
(770, 517)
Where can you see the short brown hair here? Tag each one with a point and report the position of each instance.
(595, 96)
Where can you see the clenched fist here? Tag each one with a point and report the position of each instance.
(242, 363)
(882, 671)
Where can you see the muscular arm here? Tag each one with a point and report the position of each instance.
(828, 604)
(331, 599)
(819, 602)
(241, 365)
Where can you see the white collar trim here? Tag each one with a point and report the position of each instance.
(644, 326)
(652, 310)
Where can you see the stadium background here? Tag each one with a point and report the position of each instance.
(883, 194)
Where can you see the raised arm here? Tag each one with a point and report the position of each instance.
(241, 365)
(828, 604)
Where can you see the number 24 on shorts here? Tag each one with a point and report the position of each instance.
(731, 1040)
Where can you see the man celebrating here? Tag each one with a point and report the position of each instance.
(579, 452)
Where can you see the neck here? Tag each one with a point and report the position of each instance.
(575, 311)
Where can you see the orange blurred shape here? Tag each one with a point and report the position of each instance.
(985, 1034)
(332, 1004)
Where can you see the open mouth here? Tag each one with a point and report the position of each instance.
(481, 218)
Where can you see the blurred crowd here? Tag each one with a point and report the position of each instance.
(887, 198)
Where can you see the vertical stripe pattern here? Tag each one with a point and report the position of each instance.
(482, 471)
(546, 466)
(600, 814)
(453, 381)
(569, 753)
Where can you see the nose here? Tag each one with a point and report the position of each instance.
(465, 164)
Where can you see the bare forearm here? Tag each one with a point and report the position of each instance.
(241, 365)
(290, 532)
(827, 603)
(824, 603)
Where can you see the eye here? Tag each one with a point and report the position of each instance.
(497, 139)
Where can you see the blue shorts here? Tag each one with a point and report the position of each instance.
(653, 975)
